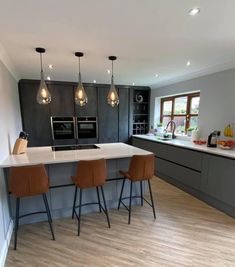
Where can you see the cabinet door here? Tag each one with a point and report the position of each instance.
(62, 100)
(35, 117)
(108, 118)
(90, 109)
(123, 115)
(220, 179)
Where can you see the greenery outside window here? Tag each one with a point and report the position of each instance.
(183, 109)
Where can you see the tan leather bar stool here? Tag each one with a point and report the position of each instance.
(141, 168)
(29, 181)
(90, 174)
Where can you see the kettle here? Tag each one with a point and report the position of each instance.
(213, 138)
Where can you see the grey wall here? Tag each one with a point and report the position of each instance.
(217, 99)
(10, 125)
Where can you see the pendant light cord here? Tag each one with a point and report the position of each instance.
(41, 61)
(112, 67)
(79, 72)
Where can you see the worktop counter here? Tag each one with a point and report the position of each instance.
(36, 155)
(190, 145)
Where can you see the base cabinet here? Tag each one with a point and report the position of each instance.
(206, 176)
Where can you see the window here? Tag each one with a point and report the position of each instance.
(183, 109)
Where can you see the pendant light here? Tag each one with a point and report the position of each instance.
(112, 98)
(80, 94)
(43, 94)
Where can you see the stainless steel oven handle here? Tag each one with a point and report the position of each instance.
(62, 121)
(86, 121)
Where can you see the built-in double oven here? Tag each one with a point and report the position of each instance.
(74, 129)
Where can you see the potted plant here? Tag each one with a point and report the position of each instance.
(190, 130)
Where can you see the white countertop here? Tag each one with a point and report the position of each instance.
(190, 145)
(36, 155)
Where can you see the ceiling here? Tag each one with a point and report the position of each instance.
(147, 36)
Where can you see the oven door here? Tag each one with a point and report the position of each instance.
(87, 129)
(63, 128)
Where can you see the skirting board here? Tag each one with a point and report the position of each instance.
(3, 253)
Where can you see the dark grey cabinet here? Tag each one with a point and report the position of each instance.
(114, 124)
(90, 109)
(123, 115)
(62, 98)
(140, 115)
(108, 118)
(35, 117)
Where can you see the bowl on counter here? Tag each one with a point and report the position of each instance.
(226, 144)
(199, 142)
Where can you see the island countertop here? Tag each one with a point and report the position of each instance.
(36, 155)
(190, 145)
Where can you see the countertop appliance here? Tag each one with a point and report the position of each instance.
(87, 127)
(73, 147)
(213, 138)
(63, 128)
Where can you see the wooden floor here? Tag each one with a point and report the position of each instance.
(187, 232)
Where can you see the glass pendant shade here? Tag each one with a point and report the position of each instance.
(80, 94)
(112, 98)
(43, 94)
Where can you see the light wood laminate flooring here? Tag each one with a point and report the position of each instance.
(187, 232)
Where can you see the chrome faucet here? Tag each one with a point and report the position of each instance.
(173, 126)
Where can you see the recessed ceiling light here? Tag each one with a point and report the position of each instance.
(156, 75)
(108, 71)
(94, 81)
(48, 78)
(133, 83)
(50, 66)
(194, 11)
(188, 63)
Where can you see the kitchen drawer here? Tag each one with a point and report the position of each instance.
(185, 157)
(184, 175)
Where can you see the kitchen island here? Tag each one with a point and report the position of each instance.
(61, 165)
(207, 173)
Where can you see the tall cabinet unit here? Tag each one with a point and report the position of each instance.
(140, 113)
(108, 118)
(123, 115)
(35, 117)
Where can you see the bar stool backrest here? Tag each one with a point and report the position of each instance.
(28, 180)
(141, 167)
(90, 173)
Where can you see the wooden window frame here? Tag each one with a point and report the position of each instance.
(188, 115)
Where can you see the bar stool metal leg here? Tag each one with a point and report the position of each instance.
(129, 219)
(98, 196)
(120, 199)
(105, 206)
(151, 196)
(74, 201)
(16, 220)
(141, 193)
(80, 211)
(48, 215)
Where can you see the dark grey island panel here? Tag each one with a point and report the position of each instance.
(208, 177)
